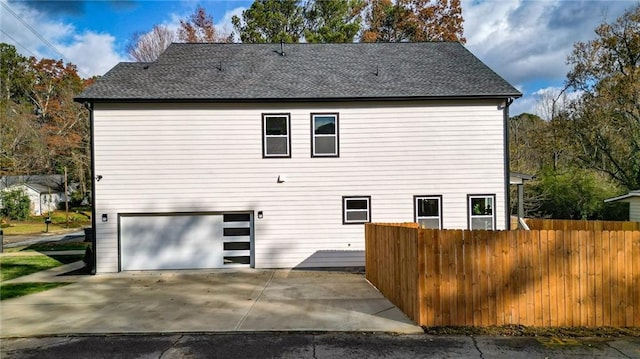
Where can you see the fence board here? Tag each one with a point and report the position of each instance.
(619, 279)
(545, 285)
(597, 285)
(583, 280)
(591, 280)
(499, 252)
(553, 278)
(459, 292)
(536, 266)
(534, 278)
(512, 290)
(422, 282)
(577, 225)
(615, 279)
(483, 278)
(520, 278)
(628, 276)
(606, 278)
(492, 280)
(476, 278)
(574, 290)
(636, 278)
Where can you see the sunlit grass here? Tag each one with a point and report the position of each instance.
(17, 266)
(36, 225)
(14, 290)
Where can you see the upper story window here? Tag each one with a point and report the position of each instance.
(324, 135)
(276, 135)
(482, 211)
(428, 211)
(356, 210)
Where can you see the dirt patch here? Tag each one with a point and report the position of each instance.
(519, 330)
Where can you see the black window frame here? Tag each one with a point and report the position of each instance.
(470, 210)
(345, 199)
(264, 135)
(415, 208)
(313, 134)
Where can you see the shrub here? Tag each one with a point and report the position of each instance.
(15, 205)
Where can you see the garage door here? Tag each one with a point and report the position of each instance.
(185, 241)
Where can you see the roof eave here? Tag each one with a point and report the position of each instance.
(301, 99)
(623, 197)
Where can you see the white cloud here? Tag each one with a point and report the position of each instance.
(527, 42)
(225, 26)
(92, 53)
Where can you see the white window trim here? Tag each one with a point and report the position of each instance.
(345, 199)
(265, 136)
(471, 216)
(314, 135)
(438, 217)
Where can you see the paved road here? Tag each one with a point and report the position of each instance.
(319, 345)
(25, 240)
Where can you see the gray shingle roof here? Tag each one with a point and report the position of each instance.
(233, 72)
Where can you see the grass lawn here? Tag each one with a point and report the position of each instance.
(36, 224)
(33, 228)
(18, 266)
(14, 290)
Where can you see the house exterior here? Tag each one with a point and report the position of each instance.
(271, 156)
(45, 192)
(633, 198)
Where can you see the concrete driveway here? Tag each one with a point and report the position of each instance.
(204, 301)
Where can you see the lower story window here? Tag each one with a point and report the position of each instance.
(482, 211)
(428, 211)
(356, 209)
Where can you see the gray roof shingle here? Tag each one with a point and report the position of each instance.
(258, 72)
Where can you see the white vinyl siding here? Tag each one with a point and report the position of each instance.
(161, 158)
(634, 209)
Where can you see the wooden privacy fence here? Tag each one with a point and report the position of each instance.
(483, 278)
(576, 225)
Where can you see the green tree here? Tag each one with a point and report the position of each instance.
(574, 193)
(332, 21)
(15, 205)
(20, 144)
(268, 21)
(604, 123)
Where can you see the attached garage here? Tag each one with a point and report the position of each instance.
(185, 240)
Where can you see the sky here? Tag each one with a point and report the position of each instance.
(525, 41)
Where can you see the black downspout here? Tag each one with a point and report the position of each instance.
(89, 106)
(507, 169)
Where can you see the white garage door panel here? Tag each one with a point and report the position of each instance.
(171, 242)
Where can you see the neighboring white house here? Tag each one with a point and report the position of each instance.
(44, 191)
(226, 155)
(633, 198)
